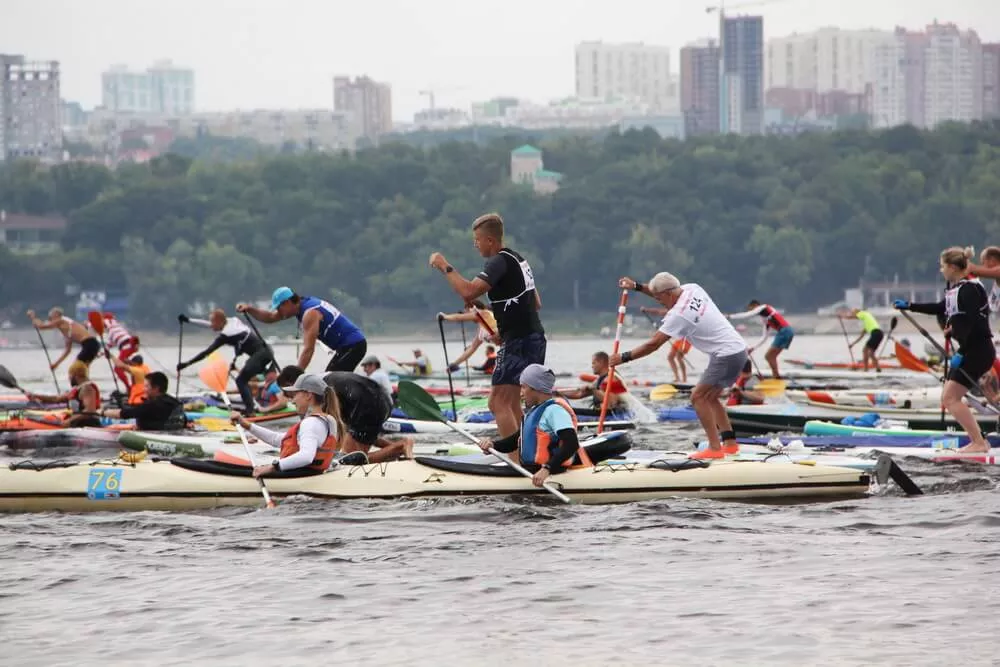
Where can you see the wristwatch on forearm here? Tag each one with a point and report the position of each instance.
(276, 464)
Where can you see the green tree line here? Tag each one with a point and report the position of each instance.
(789, 220)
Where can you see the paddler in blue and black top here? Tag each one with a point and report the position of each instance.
(547, 442)
(509, 283)
(320, 320)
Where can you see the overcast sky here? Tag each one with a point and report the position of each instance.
(283, 54)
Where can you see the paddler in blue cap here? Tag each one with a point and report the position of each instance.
(320, 320)
(547, 442)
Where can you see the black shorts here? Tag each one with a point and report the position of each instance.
(89, 349)
(973, 367)
(517, 354)
(875, 339)
(365, 423)
(347, 358)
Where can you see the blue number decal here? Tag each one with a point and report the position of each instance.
(104, 484)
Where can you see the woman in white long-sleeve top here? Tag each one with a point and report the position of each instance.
(312, 443)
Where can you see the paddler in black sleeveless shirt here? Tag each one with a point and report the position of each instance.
(510, 285)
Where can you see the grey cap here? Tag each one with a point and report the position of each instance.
(314, 384)
(371, 359)
(539, 378)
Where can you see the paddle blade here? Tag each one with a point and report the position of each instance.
(7, 378)
(892, 323)
(96, 322)
(417, 403)
(215, 375)
(771, 387)
(663, 392)
(909, 360)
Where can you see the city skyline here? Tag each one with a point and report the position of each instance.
(271, 58)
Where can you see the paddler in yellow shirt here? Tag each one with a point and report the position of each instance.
(870, 328)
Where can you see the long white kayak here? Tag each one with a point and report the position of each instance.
(847, 374)
(934, 454)
(187, 484)
(924, 397)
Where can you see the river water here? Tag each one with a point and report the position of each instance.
(885, 580)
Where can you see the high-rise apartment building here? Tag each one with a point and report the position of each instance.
(640, 71)
(991, 80)
(30, 109)
(826, 60)
(953, 88)
(742, 96)
(926, 78)
(700, 87)
(161, 89)
(369, 103)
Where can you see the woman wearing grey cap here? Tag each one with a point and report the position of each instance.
(547, 442)
(692, 314)
(310, 444)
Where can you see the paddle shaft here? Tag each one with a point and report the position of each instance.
(468, 380)
(45, 349)
(246, 448)
(892, 327)
(622, 307)
(847, 339)
(418, 403)
(180, 357)
(274, 364)
(509, 461)
(451, 385)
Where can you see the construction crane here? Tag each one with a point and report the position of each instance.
(431, 91)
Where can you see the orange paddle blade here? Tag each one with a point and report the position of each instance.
(96, 322)
(215, 375)
(909, 360)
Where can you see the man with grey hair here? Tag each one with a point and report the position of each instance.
(547, 442)
(692, 314)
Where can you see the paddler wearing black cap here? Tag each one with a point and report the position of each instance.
(508, 281)
(547, 443)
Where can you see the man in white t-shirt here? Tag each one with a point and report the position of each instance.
(692, 314)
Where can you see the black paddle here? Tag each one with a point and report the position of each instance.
(45, 349)
(7, 379)
(451, 385)
(274, 363)
(417, 403)
(892, 327)
(180, 353)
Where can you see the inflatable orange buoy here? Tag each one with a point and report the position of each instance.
(617, 387)
(819, 397)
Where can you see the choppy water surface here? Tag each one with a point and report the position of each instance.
(884, 580)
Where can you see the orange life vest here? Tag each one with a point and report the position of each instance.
(536, 443)
(324, 454)
(137, 392)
